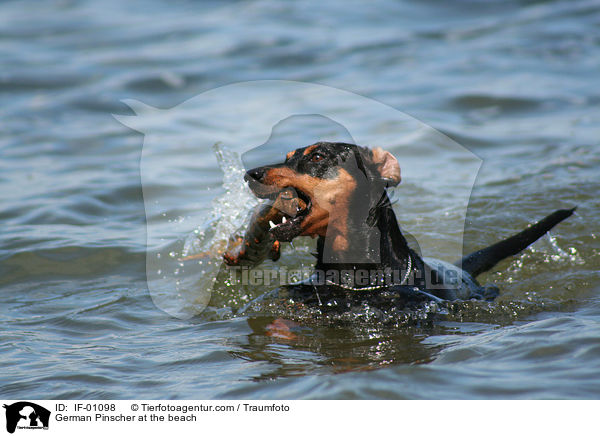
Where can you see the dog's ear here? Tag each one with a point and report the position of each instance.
(387, 166)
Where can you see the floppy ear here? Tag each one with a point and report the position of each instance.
(387, 166)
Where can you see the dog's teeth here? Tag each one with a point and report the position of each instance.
(283, 220)
(271, 224)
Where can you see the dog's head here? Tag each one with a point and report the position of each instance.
(327, 181)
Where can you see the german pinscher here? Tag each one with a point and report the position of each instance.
(336, 192)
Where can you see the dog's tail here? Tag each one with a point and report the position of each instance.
(483, 260)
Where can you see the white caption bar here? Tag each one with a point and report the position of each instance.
(73, 417)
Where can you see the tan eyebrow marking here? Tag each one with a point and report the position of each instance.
(309, 149)
(290, 154)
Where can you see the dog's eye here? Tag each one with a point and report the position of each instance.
(317, 157)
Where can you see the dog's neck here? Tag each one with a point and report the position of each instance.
(373, 241)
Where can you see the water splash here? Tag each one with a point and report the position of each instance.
(182, 275)
(228, 211)
(558, 254)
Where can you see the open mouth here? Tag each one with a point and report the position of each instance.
(289, 209)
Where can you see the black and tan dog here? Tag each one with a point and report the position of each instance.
(336, 192)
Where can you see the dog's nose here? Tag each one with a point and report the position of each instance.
(255, 174)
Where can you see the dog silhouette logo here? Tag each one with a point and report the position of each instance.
(26, 415)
